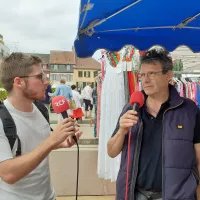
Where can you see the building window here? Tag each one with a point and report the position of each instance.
(68, 68)
(44, 66)
(58, 77)
(95, 73)
(53, 77)
(80, 85)
(55, 67)
(80, 74)
(87, 74)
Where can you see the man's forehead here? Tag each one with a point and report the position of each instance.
(150, 66)
(37, 68)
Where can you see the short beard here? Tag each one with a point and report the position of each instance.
(29, 93)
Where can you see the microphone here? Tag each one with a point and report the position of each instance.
(60, 106)
(137, 100)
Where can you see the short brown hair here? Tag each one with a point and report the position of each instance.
(16, 65)
(62, 80)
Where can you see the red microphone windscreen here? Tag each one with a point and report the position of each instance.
(60, 104)
(137, 97)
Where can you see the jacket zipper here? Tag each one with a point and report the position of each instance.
(163, 162)
(135, 162)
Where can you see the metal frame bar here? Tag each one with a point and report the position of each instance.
(89, 30)
(150, 28)
(193, 73)
(187, 21)
(95, 23)
(85, 14)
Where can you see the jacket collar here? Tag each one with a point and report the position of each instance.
(175, 98)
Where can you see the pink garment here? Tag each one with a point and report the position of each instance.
(99, 88)
(103, 66)
(181, 90)
(194, 92)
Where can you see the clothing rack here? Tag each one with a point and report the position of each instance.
(182, 72)
(178, 74)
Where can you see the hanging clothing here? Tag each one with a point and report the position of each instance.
(131, 82)
(198, 94)
(127, 95)
(99, 89)
(112, 103)
(187, 89)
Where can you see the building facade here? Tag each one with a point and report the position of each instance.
(62, 66)
(85, 71)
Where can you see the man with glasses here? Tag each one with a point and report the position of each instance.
(27, 176)
(165, 144)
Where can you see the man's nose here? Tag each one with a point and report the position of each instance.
(146, 79)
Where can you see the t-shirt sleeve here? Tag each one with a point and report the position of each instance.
(5, 150)
(125, 109)
(197, 128)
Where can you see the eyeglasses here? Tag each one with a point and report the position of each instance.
(41, 76)
(150, 75)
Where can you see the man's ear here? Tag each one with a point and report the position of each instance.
(169, 75)
(18, 82)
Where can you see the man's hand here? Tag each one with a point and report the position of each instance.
(62, 131)
(128, 120)
(69, 142)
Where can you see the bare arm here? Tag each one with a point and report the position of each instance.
(15, 169)
(115, 144)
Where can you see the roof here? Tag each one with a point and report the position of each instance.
(68, 57)
(62, 57)
(45, 57)
(87, 63)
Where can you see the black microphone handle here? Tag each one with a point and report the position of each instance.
(136, 107)
(65, 115)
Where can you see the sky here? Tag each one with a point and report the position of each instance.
(38, 26)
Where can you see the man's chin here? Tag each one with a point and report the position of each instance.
(149, 92)
(38, 98)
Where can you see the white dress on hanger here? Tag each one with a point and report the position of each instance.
(112, 103)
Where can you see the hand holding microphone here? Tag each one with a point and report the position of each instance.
(130, 118)
(63, 130)
(66, 128)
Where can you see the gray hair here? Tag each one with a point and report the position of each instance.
(155, 56)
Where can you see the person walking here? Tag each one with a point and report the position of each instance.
(77, 113)
(88, 100)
